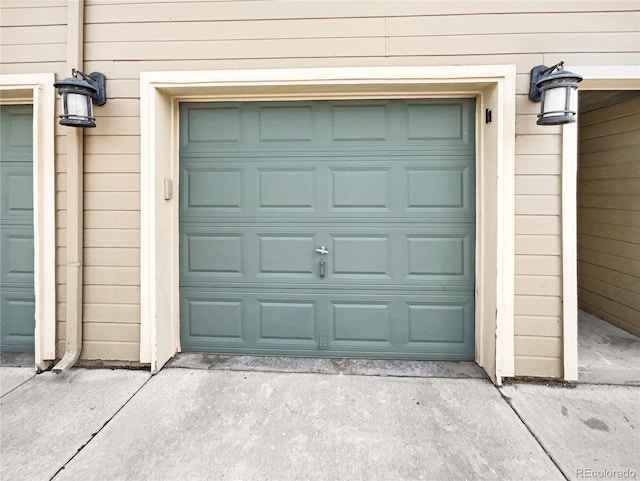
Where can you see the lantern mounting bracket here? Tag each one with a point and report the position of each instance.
(537, 73)
(98, 81)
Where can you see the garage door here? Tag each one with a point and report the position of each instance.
(328, 228)
(17, 298)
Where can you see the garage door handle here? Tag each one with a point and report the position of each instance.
(322, 250)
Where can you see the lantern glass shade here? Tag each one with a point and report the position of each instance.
(77, 100)
(559, 104)
(79, 109)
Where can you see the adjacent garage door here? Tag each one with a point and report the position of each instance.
(17, 298)
(328, 228)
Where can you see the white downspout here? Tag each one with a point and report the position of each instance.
(75, 171)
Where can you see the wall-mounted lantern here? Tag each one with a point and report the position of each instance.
(78, 97)
(557, 90)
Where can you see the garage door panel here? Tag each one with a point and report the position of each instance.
(284, 319)
(361, 189)
(365, 323)
(286, 123)
(16, 198)
(444, 121)
(437, 323)
(390, 187)
(207, 128)
(426, 125)
(215, 189)
(437, 188)
(386, 187)
(359, 122)
(287, 190)
(387, 326)
(360, 256)
(395, 256)
(445, 256)
(286, 255)
(16, 135)
(17, 255)
(214, 319)
(213, 254)
(18, 307)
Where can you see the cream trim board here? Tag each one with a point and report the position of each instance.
(506, 207)
(626, 77)
(570, 251)
(38, 89)
(493, 86)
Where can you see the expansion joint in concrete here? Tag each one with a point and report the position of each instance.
(19, 385)
(507, 399)
(99, 430)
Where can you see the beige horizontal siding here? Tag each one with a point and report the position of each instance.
(129, 219)
(349, 46)
(116, 257)
(613, 261)
(199, 31)
(537, 164)
(104, 350)
(43, 52)
(104, 275)
(538, 265)
(609, 214)
(538, 225)
(126, 313)
(33, 37)
(112, 201)
(512, 43)
(231, 49)
(511, 23)
(123, 39)
(112, 182)
(15, 13)
(110, 11)
(538, 366)
(535, 346)
(104, 163)
(538, 285)
(532, 325)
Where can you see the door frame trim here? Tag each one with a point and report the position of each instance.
(38, 90)
(492, 85)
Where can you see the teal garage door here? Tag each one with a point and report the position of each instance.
(328, 228)
(17, 298)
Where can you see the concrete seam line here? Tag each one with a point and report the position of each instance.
(93, 435)
(19, 385)
(507, 399)
(609, 384)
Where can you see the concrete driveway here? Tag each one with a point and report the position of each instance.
(215, 424)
